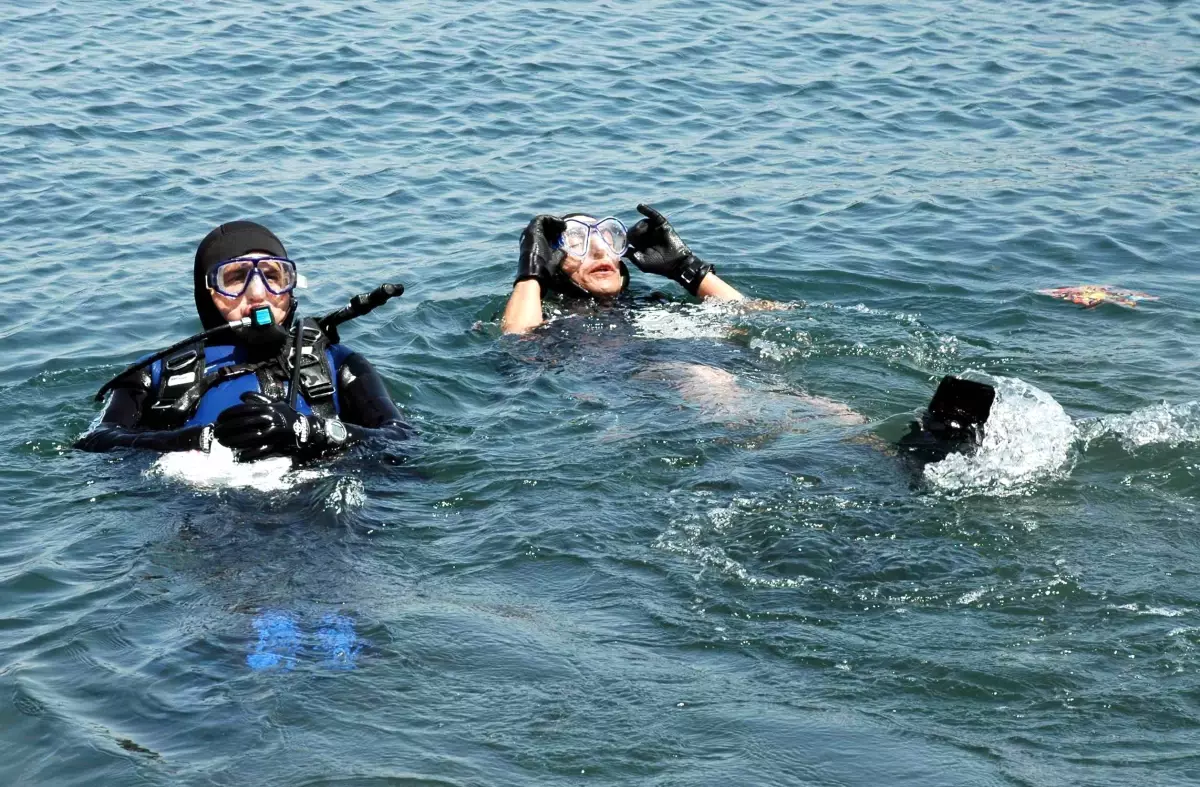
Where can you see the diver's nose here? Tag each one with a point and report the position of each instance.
(256, 290)
(599, 251)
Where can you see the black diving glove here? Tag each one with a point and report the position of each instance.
(655, 247)
(259, 428)
(539, 257)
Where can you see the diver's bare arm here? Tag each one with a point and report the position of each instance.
(524, 310)
(712, 286)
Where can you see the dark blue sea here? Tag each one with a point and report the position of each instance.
(664, 543)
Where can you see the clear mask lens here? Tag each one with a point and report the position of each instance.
(612, 232)
(578, 237)
(232, 277)
(575, 238)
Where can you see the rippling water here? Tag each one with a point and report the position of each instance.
(643, 546)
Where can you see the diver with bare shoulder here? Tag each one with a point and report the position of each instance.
(577, 257)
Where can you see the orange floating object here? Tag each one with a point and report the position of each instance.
(1089, 296)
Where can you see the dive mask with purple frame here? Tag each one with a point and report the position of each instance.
(231, 277)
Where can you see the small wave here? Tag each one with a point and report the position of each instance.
(1144, 609)
(1159, 423)
(687, 538)
(347, 494)
(908, 318)
(780, 351)
(1028, 438)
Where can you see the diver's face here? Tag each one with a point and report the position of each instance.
(599, 272)
(256, 294)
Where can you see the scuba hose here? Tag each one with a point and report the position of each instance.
(297, 359)
(359, 305)
(262, 313)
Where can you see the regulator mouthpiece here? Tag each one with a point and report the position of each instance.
(259, 329)
(262, 317)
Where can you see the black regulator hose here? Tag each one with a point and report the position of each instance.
(297, 359)
(143, 363)
(364, 303)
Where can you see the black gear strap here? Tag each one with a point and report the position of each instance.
(180, 386)
(691, 272)
(316, 373)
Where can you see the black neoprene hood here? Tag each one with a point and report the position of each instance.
(225, 242)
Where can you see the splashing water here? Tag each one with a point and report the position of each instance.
(219, 470)
(707, 320)
(1028, 438)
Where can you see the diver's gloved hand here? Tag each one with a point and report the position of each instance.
(539, 256)
(655, 247)
(259, 428)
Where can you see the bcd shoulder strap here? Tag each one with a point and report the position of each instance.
(178, 389)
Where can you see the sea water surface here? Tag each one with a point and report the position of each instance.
(646, 545)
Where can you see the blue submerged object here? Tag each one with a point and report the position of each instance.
(278, 642)
(281, 643)
(338, 641)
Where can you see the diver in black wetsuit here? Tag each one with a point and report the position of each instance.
(236, 384)
(577, 256)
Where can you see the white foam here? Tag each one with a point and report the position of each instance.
(218, 470)
(970, 597)
(1140, 609)
(348, 493)
(707, 320)
(1028, 438)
